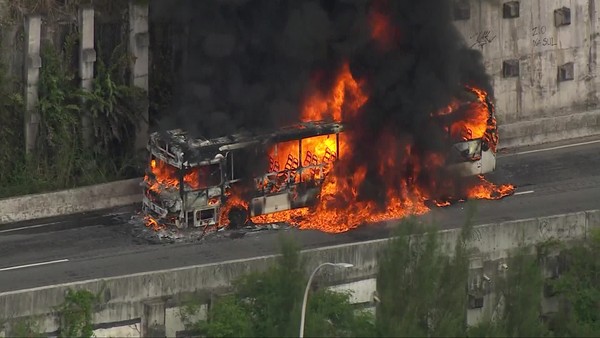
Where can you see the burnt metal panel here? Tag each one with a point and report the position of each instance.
(194, 150)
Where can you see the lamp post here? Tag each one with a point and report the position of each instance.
(312, 275)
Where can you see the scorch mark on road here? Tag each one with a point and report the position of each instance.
(33, 264)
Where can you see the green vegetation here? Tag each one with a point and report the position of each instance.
(268, 304)
(579, 315)
(517, 306)
(421, 292)
(27, 328)
(422, 289)
(76, 314)
(61, 158)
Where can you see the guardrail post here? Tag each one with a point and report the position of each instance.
(139, 42)
(87, 59)
(32, 65)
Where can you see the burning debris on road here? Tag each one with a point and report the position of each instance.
(394, 111)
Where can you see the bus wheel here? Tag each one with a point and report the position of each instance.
(238, 217)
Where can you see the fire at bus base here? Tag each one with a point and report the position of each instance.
(303, 174)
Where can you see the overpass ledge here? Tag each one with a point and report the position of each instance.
(593, 220)
(154, 299)
(153, 321)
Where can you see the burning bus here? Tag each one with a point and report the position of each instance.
(189, 181)
(193, 182)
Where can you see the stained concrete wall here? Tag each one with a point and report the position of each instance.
(154, 297)
(535, 107)
(71, 201)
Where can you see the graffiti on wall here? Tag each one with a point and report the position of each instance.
(539, 38)
(482, 38)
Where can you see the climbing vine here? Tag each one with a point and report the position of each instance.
(11, 130)
(61, 159)
(27, 327)
(76, 313)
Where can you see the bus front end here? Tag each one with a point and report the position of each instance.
(178, 193)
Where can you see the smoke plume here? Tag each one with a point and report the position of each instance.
(249, 64)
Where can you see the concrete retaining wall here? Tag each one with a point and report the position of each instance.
(149, 295)
(549, 129)
(535, 106)
(71, 201)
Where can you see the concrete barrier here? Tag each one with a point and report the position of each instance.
(136, 296)
(65, 202)
(549, 129)
(120, 193)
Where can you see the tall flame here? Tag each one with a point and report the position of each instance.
(340, 207)
(411, 176)
(163, 176)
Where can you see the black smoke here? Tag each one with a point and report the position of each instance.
(247, 65)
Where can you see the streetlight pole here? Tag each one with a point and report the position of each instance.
(312, 275)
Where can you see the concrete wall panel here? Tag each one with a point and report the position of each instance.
(536, 95)
(126, 296)
(133, 330)
(174, 323)
(362, 290)
(71, 201)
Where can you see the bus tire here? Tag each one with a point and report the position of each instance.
(238, 217)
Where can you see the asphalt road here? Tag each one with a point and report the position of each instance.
(555, 179)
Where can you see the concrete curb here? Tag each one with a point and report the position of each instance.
(549, 129)
(72, 201)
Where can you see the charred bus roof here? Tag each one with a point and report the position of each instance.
(180, 150)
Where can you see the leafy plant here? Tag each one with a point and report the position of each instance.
(61, 158)
(11, 130)
(579, 287)
(115, 107)
(26, 328)
(76, 313)
(58, 143)
(267, 304)
(422, 289)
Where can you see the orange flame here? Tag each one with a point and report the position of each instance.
(382, 29)
(165, 176)
(152, 223)
(234, 200)
(346, 91)
(339, 208)
(488, 190)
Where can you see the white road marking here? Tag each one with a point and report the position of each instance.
(553, 148)
(29, 227)
(33, 264)
(523, 192)
(52, 223)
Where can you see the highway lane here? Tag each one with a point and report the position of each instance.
(99, 245)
